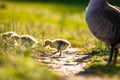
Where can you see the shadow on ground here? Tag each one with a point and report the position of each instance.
(100, 69)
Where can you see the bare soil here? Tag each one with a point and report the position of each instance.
(70, 64)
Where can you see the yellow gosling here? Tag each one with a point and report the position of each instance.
(58, 44)
(6, 36)
(26, 40)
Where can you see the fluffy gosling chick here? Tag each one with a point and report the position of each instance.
(26, 40)
(6, 36)
(59, 44)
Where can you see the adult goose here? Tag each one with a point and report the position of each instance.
(103, 20)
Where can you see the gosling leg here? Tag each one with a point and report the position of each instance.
(60, 54)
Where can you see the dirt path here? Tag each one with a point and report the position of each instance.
(67, 65)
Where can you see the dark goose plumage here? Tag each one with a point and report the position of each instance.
(117, 7)
(103, 20)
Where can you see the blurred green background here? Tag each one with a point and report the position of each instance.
(68, 1)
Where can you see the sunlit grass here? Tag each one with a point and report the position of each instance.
(24, 68)
(47, 19)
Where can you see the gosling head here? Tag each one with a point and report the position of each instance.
(4, 36)
(48, 42)
(7, 35)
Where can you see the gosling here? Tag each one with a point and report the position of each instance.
(25, 40)
(59, 44)
(6, 36)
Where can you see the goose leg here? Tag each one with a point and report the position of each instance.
(115, 56)
(111, 55)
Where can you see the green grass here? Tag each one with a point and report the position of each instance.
(24, 68)
(43, 21)
(102, 69)
(97, 65)
(17, 64)
(47, 20)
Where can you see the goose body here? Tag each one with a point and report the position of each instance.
(103, 21)
(58, 44)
